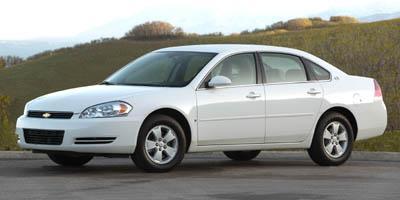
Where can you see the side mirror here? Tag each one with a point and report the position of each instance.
(218, 81)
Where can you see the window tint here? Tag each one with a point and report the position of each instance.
(241, 69)
(318, 72)
(283, 68)
(194, 66)
(168, 69)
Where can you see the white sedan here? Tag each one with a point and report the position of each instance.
(239, 99)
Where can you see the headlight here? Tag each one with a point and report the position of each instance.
(110, 109)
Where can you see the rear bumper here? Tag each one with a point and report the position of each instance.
(124, 130)
(371, 119)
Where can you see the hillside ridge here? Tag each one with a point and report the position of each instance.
(368, 49)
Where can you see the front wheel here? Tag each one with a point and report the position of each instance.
(241, 155)
(161, 144)
(69, 160)
(333, 140)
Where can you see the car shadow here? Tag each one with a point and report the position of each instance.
(122, 168)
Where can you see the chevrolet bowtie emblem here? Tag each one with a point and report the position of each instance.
(46, 115)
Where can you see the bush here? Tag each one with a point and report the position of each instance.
(154, 30)
(278, 25)
(2, 63)
(245, 32)
(214, 34)
(7, 137)
(313, 19)
(298, 24)
(343, 19)
(8, 61)
(304, 23)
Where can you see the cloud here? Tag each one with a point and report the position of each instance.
(26, 19)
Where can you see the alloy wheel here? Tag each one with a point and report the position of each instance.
(161, 144)
(335, 139)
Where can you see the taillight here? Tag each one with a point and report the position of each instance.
(378, 91)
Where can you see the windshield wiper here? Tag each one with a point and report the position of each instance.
(106, 83)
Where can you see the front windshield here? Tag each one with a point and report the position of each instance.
(165, 69)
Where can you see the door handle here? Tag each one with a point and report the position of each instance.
(253, 95)
(313, 91)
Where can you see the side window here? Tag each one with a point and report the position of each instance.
(241, 69)
(318, 72)
(283, 68)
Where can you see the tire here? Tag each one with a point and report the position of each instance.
(241, 155)
(332, 148)
(69, 160)
(153, 155)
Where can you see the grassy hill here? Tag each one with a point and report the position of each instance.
(371, 50)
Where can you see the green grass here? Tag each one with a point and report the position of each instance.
(387, 142)
(371, 50)
(8, 141)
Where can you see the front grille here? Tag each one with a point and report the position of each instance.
(49, 137)
(94, 140)
(50, 114)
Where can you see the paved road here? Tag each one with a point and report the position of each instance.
(202, 176)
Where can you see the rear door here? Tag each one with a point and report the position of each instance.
(292, 98)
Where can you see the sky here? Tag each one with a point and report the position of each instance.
(44, 19)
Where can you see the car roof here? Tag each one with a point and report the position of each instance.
(229, 48)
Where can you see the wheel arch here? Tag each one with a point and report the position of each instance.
(178, 116)
(347, 113)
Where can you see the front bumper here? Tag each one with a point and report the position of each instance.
(124, 129)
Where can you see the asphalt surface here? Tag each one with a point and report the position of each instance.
(202, 176)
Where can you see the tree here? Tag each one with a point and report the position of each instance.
(2, 63)
(155, 30)
(298, 24)
(343, 19)
(8, 61)
(315, 19)
(213, 34)
(257, 30)
(7, 137)
(245, 32)
(179, 32)
(278, 25)
(13, 60)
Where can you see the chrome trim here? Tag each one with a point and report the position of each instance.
(233, 118)
(198, 88)
(290, 115)
(230, 86)
(46, 115)
(284, 83)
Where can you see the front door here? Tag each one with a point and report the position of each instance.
(233, 114)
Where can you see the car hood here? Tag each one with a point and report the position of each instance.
(77, 99)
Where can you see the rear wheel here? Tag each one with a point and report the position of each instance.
(241, 155)
(333, 140)
(161, 144)
(69, 160)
